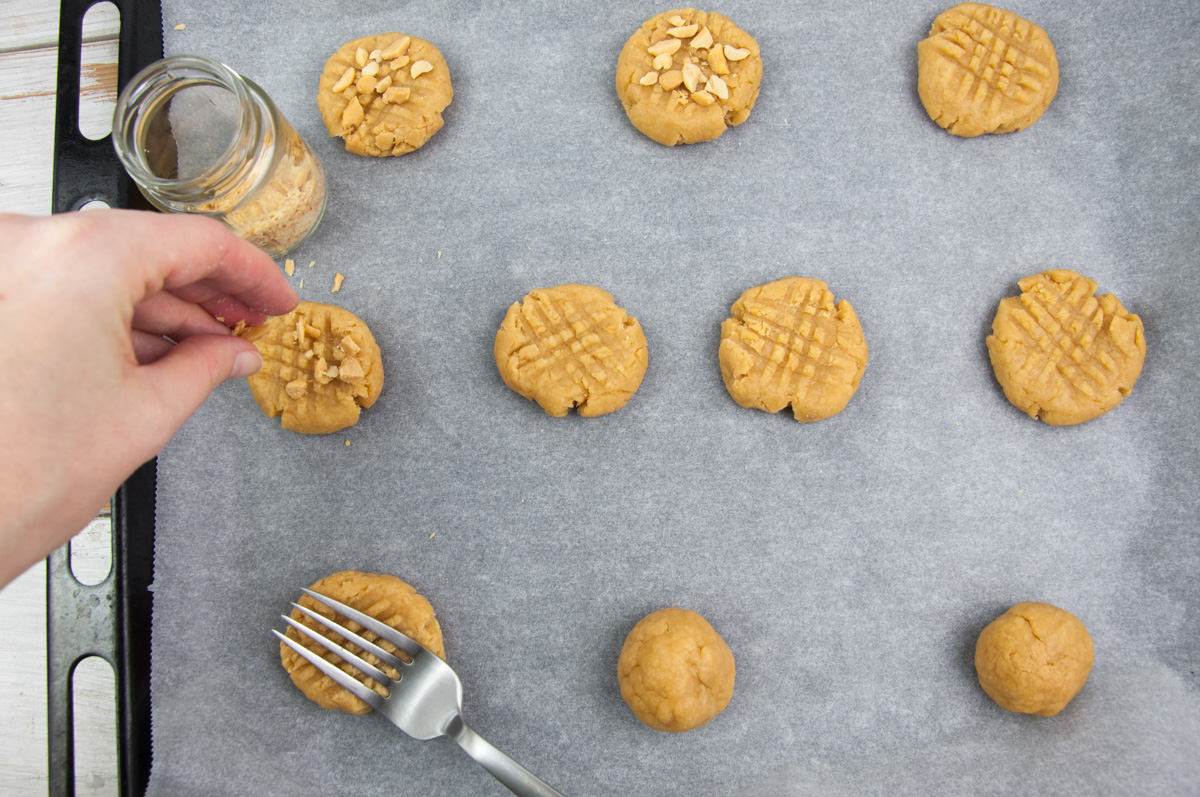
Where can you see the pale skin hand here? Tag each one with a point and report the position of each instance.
(90, 385)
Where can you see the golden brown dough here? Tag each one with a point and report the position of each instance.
(571, 347)
(1063, 354)
(985, 70)
(320, 366)
(687, 75)
(675, 671)
(384, 94)
(788, 343)
(384, 597)
(1034, 658)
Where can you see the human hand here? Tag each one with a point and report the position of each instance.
(90, 385)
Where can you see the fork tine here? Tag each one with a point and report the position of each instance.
(361, 641)
(405, 643)
(353, 685)
(359, 663)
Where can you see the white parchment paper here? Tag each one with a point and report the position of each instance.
(850, 563)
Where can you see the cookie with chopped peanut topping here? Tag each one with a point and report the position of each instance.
(685, 76)
(321, 365)
(384, 94)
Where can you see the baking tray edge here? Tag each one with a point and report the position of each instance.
(110, 619)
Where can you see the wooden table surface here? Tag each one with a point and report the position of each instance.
(28, 58)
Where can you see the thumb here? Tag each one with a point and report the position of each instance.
(174, 386)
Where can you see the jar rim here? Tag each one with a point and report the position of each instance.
(162, 78)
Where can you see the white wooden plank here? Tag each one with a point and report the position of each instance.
(30, 24)
(28, 30)
(23, 764)
(27, 86)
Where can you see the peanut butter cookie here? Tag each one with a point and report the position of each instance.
(788, 343)
(384, 94)
(1034, 658)
(571, 346)
(675, 671)
(1063, 354)
(387, 599)
(320, 366)
(686, 75)
(985, 70)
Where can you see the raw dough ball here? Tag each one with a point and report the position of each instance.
(1033, 658)
(384, 597)
(985, 70)
(675, 671)
(685, 76)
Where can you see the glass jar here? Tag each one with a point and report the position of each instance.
(197, 137)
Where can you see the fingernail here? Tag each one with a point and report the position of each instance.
(246, 363)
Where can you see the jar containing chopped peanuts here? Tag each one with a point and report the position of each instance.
(197, 137)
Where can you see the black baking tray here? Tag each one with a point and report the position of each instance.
(110, 619)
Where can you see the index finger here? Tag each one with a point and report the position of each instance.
(167, 251)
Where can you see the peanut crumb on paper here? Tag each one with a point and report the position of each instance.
(347, 444)
(432, 534)
(312, 263)
(301, 284)
(180, 26)
(337, 282)
(289, 267)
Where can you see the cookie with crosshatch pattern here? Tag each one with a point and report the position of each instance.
(384, 94)
(320, 366)
(571, 347)
(788, 342)
(685, 76)
(985, 70)
(384, 597)
(1063, 354)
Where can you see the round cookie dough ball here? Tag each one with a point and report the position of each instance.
(321, 366)
(384, 597)
(685, 76)
(985, 70)
(675, 672)
(569, 347)
(1033, 658)
(384, 94)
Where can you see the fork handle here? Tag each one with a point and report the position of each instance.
(518, 779)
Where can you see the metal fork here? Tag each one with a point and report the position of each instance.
(425, 702)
